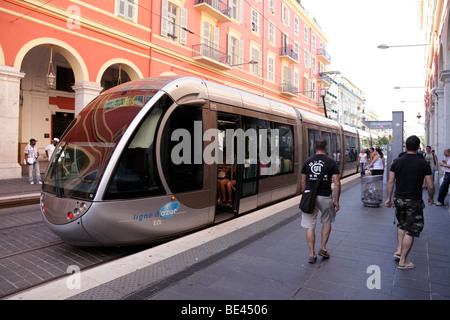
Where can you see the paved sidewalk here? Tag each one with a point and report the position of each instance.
(19, 191)
(361, 246)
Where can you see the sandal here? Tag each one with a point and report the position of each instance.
(396, 256)
(312, 259)
(324, 253)
(409, 266)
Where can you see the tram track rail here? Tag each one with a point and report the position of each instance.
(31, 255)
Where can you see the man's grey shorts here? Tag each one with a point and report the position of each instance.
(326, 207)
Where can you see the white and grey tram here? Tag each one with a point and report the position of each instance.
(116, 177)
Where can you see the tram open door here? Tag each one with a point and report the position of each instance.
(229, 170)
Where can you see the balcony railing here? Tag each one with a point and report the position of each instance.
(211, 56)
(288, 88)
(326, 79)
(323, 56)
(288, 52)
(216, 8)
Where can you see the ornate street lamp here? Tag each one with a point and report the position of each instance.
(51, 77)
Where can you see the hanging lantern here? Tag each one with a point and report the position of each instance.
(51, 77)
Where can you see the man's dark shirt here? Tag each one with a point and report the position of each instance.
(410, 170)
(312, 167)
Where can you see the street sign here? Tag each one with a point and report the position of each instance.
(382, 125)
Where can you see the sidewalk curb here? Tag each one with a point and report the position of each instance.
(19, 200)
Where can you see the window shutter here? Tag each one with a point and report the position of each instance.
(241, 11)
(259, 66)
(121, 8)
(216, 43)
(230, 50)
(183, 26)
(241, 53)
(164, 17)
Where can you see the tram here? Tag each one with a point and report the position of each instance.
(147, 160)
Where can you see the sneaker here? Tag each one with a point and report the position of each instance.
(31, 182)
(439, 203)
(39, 182)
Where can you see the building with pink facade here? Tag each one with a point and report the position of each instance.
(56, 56)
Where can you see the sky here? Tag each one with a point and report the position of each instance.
(354, 29)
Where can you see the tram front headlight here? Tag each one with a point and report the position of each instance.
(79, 210)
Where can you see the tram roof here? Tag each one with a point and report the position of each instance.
(316, 119)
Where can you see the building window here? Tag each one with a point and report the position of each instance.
(313, 90)
(313, 42)
(297, 25)
(235, 51)
(285, 14)
(271, 33)
(174, 22)
(306, 86)
(65, 79)
(271, 68)
(272, 6)
(297, 51)
(296, 81)
(306, 34)
(256, 55)
(255, 21)
(127, 9)
(307, 59)
(237, 9)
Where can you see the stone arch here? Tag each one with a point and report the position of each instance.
(75, 60)
(129, 67)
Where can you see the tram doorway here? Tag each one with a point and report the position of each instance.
(229, 170)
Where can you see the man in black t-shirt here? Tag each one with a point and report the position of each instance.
(408, 173)
(311, 170)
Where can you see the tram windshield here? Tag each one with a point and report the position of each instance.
(81, 157)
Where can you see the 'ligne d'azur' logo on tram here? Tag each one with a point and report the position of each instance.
(166, 211)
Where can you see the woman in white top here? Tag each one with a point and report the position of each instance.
(432, 160)
(362, 157)
(377, 163)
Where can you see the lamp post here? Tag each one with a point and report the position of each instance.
(385, 46)
(420, 87)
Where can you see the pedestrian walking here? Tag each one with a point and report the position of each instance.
(362, 160)
(311, 170)
(432, 160)
(443, 189)
(31, 160)
(407, 173)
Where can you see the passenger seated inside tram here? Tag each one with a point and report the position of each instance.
(225, 184)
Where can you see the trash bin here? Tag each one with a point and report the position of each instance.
(372, 190)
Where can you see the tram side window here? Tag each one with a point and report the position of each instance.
(327, 137)
(335, 148)
(285, 148)
(264, 149)
(182, 169)
(136, 174)
(350, 151)
(313, 135)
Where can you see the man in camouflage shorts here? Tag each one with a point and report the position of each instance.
(407, 173)
(409, 215)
